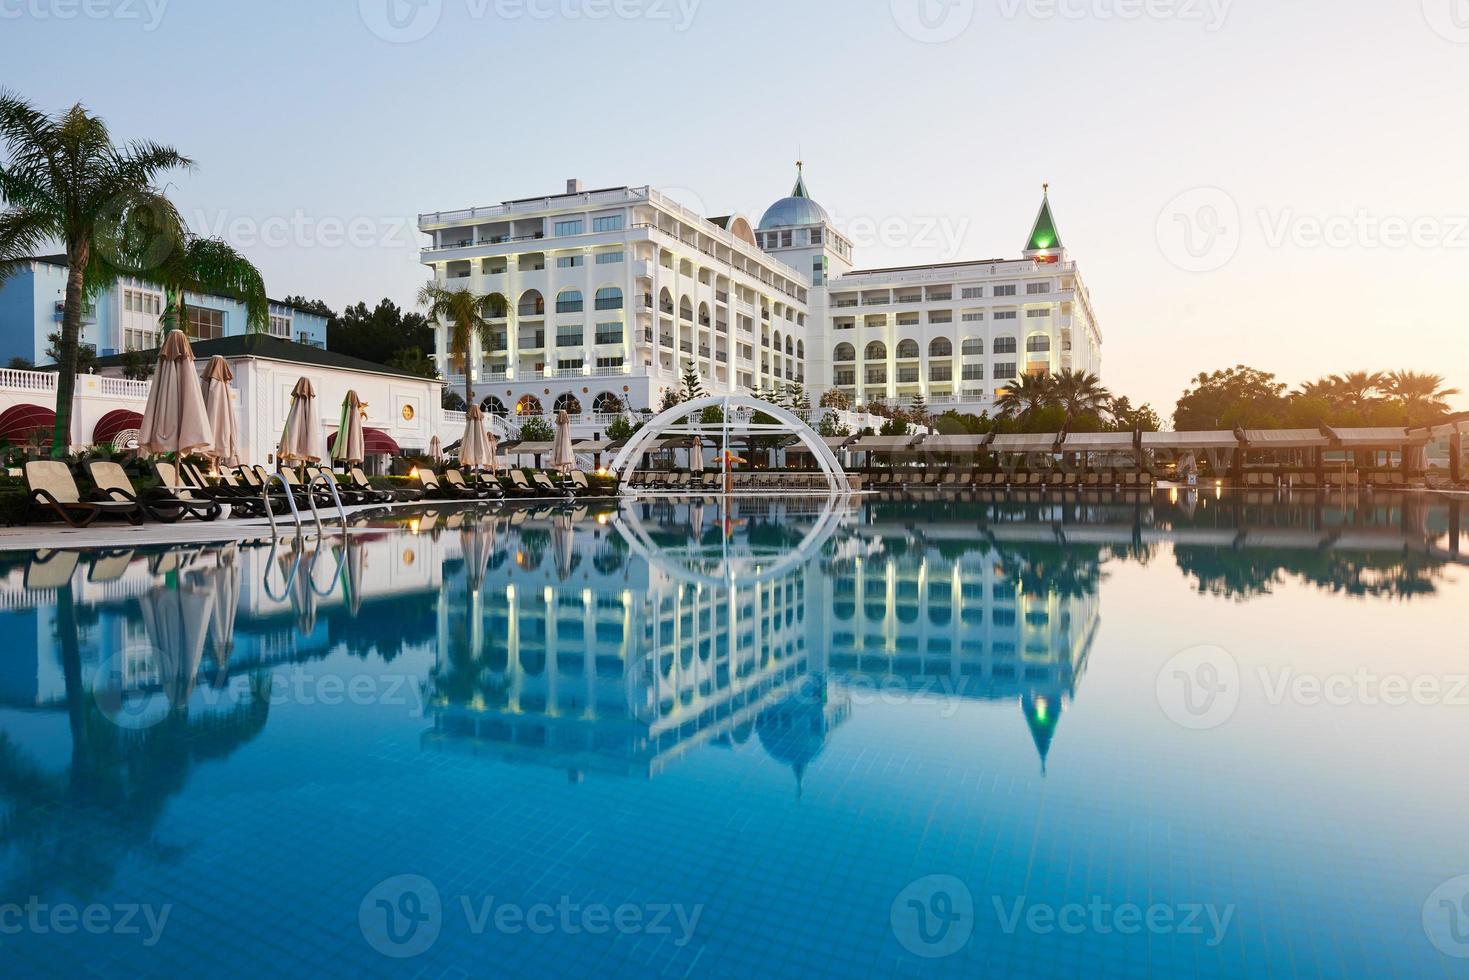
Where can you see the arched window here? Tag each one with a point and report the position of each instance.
(1038, 344)
(801, 349)
(844, 352)
(568, 403)
(790, 347)
(607, 403)
(569, 301)
(941, 347)
(528, 405)
(776, 345)
(1004, 345)
(492, 406)
(685, 309)
(499, 305)
(973, 345)
(665, 301)
(907, 348)
(532, 303)
(703, 314)
(876, 351)
(609, 298)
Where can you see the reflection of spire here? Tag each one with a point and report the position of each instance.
(1042, 714)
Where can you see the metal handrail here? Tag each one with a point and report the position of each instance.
(270, 511)
(336, 497)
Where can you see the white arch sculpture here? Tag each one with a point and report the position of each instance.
(738, 410)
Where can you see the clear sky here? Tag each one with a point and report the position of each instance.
(1274, 182)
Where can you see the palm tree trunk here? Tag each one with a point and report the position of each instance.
(468, 388)
(71, 332)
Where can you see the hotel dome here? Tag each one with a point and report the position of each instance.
(798, 209)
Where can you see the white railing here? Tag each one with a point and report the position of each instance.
(125, 388)
(14, 380)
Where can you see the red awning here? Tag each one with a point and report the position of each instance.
(115, 421)
(374, 441)
(20, 423)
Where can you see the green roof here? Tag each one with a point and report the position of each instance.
(1044, 236)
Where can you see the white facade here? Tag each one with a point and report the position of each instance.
(616, 292)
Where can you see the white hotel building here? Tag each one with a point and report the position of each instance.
(616, 291)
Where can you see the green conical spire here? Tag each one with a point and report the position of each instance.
(800, 189)
(1042, 714)
(1044, 237)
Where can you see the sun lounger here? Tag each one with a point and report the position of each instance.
(51, 488)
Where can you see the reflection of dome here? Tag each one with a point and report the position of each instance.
(794, 731)
(798, 209)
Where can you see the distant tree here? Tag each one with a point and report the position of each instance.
(1238, 396)
(832, 427)
(918, 409)
(86, 354)
(374, 334)
(796, 397)
(1080, 393)
(453, 401)
(1025, 397)
(535, 428)
(836, 398)
(466, 316)
(692, 387)
(894, 427)
(136, 367)
(1423, 397)
(670, 399)
(21, 364)
(621, 428)
(1126, 418)
(411, 360)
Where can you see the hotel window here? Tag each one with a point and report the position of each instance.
(570, 227)
(139, 339)
(609, 333)
(973, 345)
(609, 298)
(815, 236)
(570, 261)
(846, 378)
(818, 270)
(1005, 290)
(1004, 314)
(569, 336)
(973, 317)
(1004, 345)
(204, 323)
(609, 258)
(973, 372)
(940, 372)
(1037, 345)
(280, 326)
(1037, 288)
(1004, 370)
(785, 239)
(569, 302)
(1038, 314)
(571, 364)
(972, 292)
(611, 222)
(609, 362)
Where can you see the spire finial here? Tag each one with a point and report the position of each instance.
(1046, 189)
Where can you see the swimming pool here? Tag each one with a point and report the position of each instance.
(963, 734)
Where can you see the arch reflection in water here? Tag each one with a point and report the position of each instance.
(682, 624)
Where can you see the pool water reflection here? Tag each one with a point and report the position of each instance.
(871, 736)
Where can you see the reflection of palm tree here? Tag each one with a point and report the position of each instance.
(1243, 573)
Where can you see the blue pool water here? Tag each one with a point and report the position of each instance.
(911, 736)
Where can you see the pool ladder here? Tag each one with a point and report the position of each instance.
(290, 498)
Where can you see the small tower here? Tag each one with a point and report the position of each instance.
(1044, 244)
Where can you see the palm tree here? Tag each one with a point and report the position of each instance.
(467, 317)
(1079, 392)
(1357, 388)
(64, 180)
(1423, 395)
(1027, 396)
